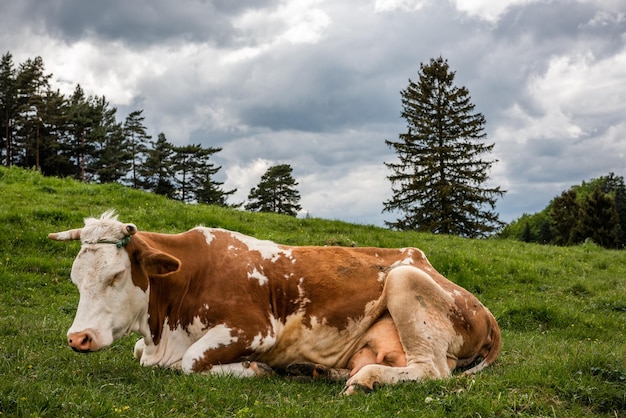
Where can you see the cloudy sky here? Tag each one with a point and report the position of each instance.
(316, 83)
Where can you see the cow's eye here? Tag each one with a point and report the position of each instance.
(116, 278)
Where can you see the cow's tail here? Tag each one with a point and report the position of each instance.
(493, 348)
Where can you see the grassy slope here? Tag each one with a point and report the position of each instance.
(562, 313)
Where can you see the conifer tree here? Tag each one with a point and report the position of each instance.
(206, 189)
(8, 106)
(564, 211)
(597, 220)
(157, 172)
(110, 157)
(438, 183)
(137, 139)
(276, 192)
(185, 163)
(32, 86)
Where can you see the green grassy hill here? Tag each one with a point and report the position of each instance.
(562, 312)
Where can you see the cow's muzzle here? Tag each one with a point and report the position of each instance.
(82, 342)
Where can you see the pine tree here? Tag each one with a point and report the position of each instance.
(76, 146)
(53, 130)
(614, 185)
(110, 158)
(206, 189)
(186, 163)
(156, 173)
(137, 139)
(32, 86)
(275, 192)
(564, 211)
(8, 105)
(438, 183)
(597, 220)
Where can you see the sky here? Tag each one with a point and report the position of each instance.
(316, 84)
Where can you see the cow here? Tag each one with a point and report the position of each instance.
(211, 300)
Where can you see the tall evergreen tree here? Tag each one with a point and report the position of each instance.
(156, 172)
(597, 220)
(137, 139)
(32, 86)
(53, 130)
(8, 105)
(206, 189)
(276, 192)
(438, 183)
(186, 164)
(614, 185)
(564, 211)
(82, 118)
(109, 156)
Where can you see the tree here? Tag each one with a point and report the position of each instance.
(207, 190)
(137, 139)
(276, 192)
(616, 188)
(156, 172)
(82, 118)
(8, 105)
(186, 164)
(110, 158)
(597, 220)
(32, 86)
(438, 183)
(564, 211)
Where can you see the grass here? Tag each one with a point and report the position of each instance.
(562, 312)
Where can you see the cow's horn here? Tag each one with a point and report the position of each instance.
(70, 235)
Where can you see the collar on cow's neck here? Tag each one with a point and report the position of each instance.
(119, 244)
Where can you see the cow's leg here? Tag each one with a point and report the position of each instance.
(312, 371)
(218, 351)
(419, 308)
(242, 369)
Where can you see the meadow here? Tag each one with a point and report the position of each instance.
(562, 312)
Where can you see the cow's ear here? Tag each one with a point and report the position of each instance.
(159, 263)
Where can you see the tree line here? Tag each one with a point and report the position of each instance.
(80, 137)
(593, 211)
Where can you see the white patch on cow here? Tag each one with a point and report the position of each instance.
(269, 250)
(262, 342)
(302, 300)
(172, 345)
(317, 342)
(381, 276)
(208, 236)
(409, 256)
(256, 274)
(218, 336)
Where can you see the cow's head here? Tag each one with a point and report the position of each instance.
(112, 273)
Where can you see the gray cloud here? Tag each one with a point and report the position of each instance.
(316, 83)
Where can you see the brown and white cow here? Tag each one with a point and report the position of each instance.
(212, 300)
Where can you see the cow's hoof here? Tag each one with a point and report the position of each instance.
(352, 388)
(260, 369)
(356, 388)
(307, 371)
